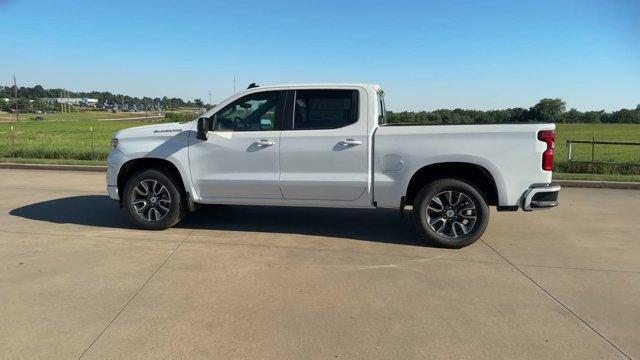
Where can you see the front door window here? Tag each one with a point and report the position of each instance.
(255, 112)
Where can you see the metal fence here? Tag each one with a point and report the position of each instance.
(614, 152)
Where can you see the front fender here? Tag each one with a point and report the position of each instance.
(173, 149)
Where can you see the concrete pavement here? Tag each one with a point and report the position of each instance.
(77, 280)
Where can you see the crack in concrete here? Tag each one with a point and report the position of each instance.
(134, 296)
(52, 190)
(344, 268)
(66, 235)
(580, 269)
(584, 322)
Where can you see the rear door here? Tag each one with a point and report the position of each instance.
(240, 158)
(324, 145)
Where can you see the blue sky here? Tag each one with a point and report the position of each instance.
(426, 55)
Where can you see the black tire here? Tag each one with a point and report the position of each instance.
(149, 219)
(448, 227)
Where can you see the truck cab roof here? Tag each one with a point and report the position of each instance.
(375, 87)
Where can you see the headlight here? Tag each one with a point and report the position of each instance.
(114, 143)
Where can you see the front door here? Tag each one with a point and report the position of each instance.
(324, 147)
(240, 158)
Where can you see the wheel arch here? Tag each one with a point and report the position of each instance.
(132, 166)
(475, 174)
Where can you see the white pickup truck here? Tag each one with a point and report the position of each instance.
(330, 146)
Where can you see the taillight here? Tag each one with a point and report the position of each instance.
(549, 137)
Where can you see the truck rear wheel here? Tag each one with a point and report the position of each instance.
(450, 213)
(152, 200)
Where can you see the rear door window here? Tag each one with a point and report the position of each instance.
(325, 109)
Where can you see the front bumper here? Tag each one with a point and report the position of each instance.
(540, 197)
(114, 161)
(113, 192)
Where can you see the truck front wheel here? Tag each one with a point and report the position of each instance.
(450, 213)
(152, 200)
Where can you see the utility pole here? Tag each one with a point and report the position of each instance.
(15, 94)
(210, 98)
(61, 102)
(234, 84)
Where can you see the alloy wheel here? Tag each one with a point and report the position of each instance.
(451, 214)
(151, 200)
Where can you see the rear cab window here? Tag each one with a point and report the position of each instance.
(382, 110)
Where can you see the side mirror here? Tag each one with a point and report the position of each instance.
(204, 125)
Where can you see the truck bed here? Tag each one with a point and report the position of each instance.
(511, 153)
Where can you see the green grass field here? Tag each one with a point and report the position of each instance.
(75, 116)
(60, 139)
(72, 140)
(603, 132)
(596, 177)
(626, 158)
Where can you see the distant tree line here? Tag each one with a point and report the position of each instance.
(28, 98)
(547, 110)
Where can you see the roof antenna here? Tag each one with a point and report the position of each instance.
(252, 85)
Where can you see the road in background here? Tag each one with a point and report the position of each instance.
(267, 282)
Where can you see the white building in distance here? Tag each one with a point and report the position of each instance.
(72, 101)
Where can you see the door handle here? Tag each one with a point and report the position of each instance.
(351, 142)
(265, 142)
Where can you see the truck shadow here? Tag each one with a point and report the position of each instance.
(377, 225)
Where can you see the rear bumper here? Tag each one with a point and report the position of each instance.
(540, 197)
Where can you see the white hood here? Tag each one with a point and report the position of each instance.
(160, 130)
